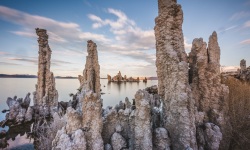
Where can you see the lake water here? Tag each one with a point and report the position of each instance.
(114, 92)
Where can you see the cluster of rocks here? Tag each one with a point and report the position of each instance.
(244, 72)
(188, 110)
(195, 110)
(120, 78)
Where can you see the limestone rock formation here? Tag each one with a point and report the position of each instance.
(244, 72)
(209, 94)
(117, 141)
(74, 120)
(109, 78)
(91, 74)
(209, 137)
(143, 134)
(92, 121)
(63, 141)
(19, 111)
(172, 72)
(243, 65)
(161, 139)
(46, 93)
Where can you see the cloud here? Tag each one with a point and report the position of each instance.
(225, 29)
(247, 24)
(62, 31)
(8, 63)
(245, 42)
(125, 30)
(229, 68)
(187, 45)
(239, 15)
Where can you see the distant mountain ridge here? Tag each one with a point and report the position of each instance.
(17, 76)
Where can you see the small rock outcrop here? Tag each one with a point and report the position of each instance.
(19, 111)
(161, 139)
(109, 78)
(172, 72)
(244, 72)
(46, 93)
(63, 141)
(117, 141)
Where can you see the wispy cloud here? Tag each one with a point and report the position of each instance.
(8, 63)
(245, 42)
(240, 15)
(225, 29)
(187, 45)
(125, 30)
(247, 24)
(62, 31)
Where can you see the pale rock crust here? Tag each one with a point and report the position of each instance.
(117, 141)
(161, 139)
(75, 141)
(46, 93)
(74, 120)
(172, 72)
(92, 121)
(142, 130)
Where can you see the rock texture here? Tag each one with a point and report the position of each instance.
(63, 141)
(172, 72)
(46, 93)
(19, 111)
(117, 141)
(92, 121)
(161, 139)
(209, 94)
(143, 129)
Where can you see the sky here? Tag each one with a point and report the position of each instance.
(122, 29)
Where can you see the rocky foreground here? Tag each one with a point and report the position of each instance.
(188, 110)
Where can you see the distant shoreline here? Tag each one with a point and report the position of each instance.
(57, 77)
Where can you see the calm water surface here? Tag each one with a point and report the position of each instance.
(114, 92)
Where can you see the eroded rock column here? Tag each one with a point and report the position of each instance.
(46, 93)
(209, 94)
(172, 72)
(91, 74)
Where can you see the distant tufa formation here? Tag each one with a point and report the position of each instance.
(46, 93)
(244, 72)
(120, 78)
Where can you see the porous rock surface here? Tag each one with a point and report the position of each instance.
(91, 74)
(92, 121)
(46, 93)
(161, 140)
(143, 130)
(209, 94)
(172, 72)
